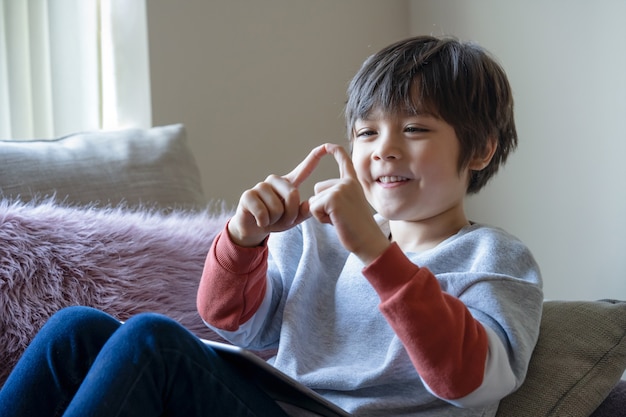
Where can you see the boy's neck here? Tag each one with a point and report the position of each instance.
(419, 236)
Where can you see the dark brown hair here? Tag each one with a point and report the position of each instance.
(455, 81)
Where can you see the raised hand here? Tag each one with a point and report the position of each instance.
(342, 203)
(273, 205)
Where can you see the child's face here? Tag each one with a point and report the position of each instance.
(408, 166)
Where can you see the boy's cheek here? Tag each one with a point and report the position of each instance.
(362, 171)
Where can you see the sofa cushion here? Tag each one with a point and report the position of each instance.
(579, 358)
(151, 167)
(118, 260)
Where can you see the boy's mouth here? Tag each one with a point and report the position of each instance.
(391, 179)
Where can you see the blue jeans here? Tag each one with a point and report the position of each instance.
(83, 362)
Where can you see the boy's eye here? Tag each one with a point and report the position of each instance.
(415, 129)
(365, 133)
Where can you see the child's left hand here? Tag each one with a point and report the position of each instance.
(342, 203)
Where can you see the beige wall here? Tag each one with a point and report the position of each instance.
(564, 190)
(258, 84)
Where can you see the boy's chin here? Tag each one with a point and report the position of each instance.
(396, 215)
(389, 215)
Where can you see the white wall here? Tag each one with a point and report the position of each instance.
(258, 84)
(564, 191)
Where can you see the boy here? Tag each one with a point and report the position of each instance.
(415, 311)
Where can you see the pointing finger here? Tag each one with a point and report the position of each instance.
(307, 166)
(346, 168)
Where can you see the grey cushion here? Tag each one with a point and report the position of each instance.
(151, 167)
(580, 356)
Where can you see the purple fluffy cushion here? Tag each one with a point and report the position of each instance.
(119, 260)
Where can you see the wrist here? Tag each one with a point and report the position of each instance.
(373, 249)
(243, 240)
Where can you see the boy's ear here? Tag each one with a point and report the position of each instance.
(480, 162)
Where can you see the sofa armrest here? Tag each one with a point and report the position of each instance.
(579, 358)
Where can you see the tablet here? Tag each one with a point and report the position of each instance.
(294, 397)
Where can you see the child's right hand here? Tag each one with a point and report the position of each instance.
(273, 205)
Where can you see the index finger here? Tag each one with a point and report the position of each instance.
(346, 168)
(305, 168)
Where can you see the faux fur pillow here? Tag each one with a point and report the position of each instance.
(121, 261)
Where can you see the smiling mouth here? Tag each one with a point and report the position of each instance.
(391, 179)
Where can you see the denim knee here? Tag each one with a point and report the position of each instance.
(60, 355)
(76, 315)
(82, 320)
(154, 328)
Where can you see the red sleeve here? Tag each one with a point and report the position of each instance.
(233, 283)
(447, 346)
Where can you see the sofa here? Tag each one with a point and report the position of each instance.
(119, 220)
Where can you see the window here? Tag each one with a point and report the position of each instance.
(72, 65)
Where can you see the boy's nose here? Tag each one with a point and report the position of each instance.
(388, 148)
